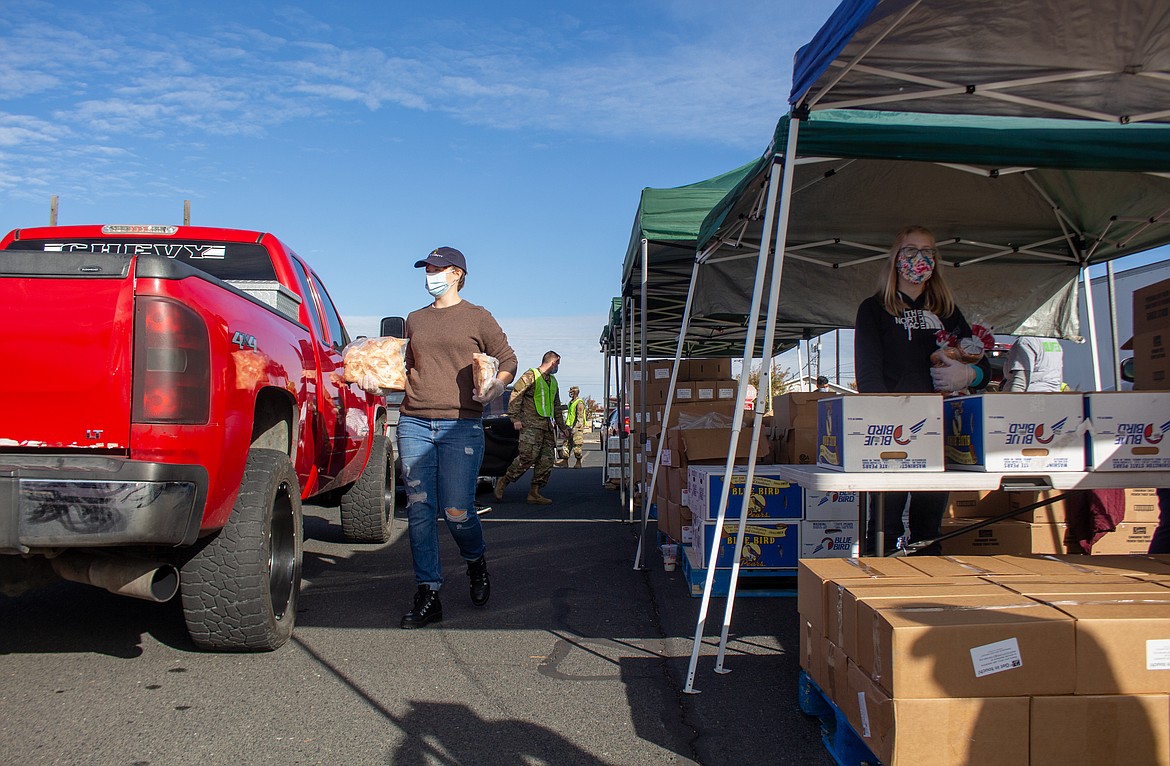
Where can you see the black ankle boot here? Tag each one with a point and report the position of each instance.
(481, 589)
(427, 609)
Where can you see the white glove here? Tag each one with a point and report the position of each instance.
(494, 389)
(952, 376)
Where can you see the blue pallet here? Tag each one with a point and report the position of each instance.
(752, 582)
(842, 742)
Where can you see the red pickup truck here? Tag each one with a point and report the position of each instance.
(184, 396)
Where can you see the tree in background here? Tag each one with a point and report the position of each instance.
(593, 408)
(782, 380)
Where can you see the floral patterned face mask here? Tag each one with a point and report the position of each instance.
(915, 264)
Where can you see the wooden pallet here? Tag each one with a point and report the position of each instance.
(842, 742)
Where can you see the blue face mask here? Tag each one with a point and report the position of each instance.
(437, 283)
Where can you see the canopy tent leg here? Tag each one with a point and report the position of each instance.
(605, 389)
(1088, 283)
(1115, 341)
(686, 318)
(641, 394)
(629, 407)
(769, 347)
(736, 425)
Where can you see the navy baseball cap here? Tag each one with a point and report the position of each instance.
(444, 257)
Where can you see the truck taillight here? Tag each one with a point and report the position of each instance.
(172, 363)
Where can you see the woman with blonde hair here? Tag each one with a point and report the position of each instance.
(896, 331)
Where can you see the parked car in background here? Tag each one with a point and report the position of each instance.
(616, 428)
(501, 441)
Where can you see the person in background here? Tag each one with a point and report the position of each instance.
(575, 419)
(535, 411)
(1034, 364)
(895, 334)
(440, 429)
(822, 384)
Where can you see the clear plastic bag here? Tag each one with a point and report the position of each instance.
(376, 365)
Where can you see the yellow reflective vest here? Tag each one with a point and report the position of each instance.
(544, 393)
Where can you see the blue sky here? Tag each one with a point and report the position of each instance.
(366, 134)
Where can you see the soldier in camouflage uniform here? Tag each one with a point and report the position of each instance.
(576, 420)
(535, 411)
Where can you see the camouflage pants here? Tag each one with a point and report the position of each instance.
(537, 450)
(573, 443)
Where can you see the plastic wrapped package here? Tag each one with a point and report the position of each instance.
(483, 372)
(377, 365)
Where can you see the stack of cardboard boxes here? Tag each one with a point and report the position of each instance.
(994, 659)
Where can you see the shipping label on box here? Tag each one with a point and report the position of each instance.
(880, 432)
(765, 546)
(771, 496)
(822, 506)
(1127, 430)
(1009, 433)
(1141, 505)
(829, 539)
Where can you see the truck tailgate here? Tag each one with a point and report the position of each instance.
(65, 350)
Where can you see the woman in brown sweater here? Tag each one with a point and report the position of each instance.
(440, 431)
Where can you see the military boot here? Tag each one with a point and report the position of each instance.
(427, 609)
(481, 588)
(535, 498)
(499, 490)
(578, 463)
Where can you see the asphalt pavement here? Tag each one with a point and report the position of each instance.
(577, 659)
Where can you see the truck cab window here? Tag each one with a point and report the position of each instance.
(337, 333)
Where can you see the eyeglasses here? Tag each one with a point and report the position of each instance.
(909, 251)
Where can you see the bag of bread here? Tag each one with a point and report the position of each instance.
(483, 373)
(377, 365)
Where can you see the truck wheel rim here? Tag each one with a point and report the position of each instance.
(282, 559)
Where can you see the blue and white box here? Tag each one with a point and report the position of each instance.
(772, 497)
(865, 433)
(1014, 433)
(830, 506)
(1127, 431)
(774, 545)
(829, 539)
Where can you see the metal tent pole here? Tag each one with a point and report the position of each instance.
(736, 423)
(629, 407)
(1115, 341)
(640, 390)
(1092, 326)
(638, 557)
(769, 345)
(605, 389)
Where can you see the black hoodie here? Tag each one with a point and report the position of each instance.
(892, 354)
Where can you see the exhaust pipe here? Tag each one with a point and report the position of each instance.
(147, 580)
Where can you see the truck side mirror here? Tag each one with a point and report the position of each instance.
(393, 327)
(1127, 370)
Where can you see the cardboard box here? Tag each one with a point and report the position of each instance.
(814, 597)
(771, 496)
(1092, 730)
(774, 545)
(1055, 512)
(880, 432)
(701, 414)
(841, 623)
(937, 732)
(798, 447)
(1141, 505)
(1151, 307)
(1122, 643)
(1074, 564)
(824, 539)
(1003, 537)
(1014, 433)
(1151, 361)
(1127, 538)
(797, 409)
(952, 565)
(966, 646)
(726, 390)
(684, 392)
(976, 504)
(714, 443)
(718, 368)
(1127, 430)
(831, 505)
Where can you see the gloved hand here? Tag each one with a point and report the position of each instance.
(953, 375)
(494, 389)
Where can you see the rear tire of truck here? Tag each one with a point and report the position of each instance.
(368, 505)
(240, 590)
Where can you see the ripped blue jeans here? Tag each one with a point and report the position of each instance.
(440, 463)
